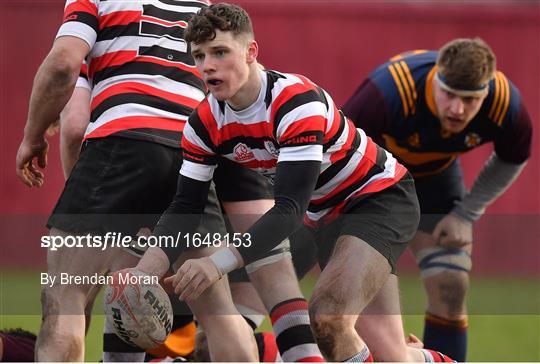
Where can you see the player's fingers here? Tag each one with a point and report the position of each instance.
(36, 172)
(181, 273)
(37, 175)
(30, 177)
(23, 175)
(194, 290)
(184, 282)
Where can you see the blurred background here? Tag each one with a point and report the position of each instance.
(336, 44)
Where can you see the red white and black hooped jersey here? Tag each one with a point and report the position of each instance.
(144, 81)
(292, 120)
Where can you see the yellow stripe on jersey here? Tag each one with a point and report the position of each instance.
(406, 86)
(496, 98)
(501, 100)
(414, 158)
(400, 89)
(430, 97)
(500, 119)
(405, 54)
(410, 79)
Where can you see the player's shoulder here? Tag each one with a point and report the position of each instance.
(503, 101)
(402, 80)
(280, 80)
(284, 86)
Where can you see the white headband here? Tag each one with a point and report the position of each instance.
(464, 93)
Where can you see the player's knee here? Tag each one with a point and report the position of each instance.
(50, 302)
(452, 288)
(62, 300)
(325, 324)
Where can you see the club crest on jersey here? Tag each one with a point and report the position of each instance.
(271, 148)
(472, 140)
(242, 153)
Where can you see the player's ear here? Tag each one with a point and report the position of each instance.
(252, 51)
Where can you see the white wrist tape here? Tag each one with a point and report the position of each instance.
(225, 260)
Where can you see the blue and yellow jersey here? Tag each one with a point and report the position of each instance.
(396, 107)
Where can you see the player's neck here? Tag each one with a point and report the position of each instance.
(249, 92)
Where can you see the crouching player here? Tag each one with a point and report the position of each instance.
(427, 108)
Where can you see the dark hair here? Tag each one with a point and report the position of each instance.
(466, 63)
(18, 332)
(225, 17)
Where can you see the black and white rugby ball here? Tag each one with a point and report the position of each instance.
(138, 309)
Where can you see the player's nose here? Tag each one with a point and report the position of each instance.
(457, 106)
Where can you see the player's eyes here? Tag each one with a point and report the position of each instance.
(449, 94)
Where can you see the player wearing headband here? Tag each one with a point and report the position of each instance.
(427, 108)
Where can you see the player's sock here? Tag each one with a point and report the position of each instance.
(433, 356)
(116, 350)
(294, 338)
(364, 356)
(268, 350)
(446, 336)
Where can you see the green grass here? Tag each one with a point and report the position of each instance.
(504, 324)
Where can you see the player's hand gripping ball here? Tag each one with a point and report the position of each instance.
(138, 309)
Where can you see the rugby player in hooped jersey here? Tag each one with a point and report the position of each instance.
(144, 86)
(359, 201)
(427, 108)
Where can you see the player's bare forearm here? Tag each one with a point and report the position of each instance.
(154, 262)
(53, 86)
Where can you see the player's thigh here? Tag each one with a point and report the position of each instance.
(76, 272)
(372, 234)
(385, 220)
(437, 195)
(353, 275)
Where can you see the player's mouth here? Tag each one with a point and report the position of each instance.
(455, 121)
(214, 82)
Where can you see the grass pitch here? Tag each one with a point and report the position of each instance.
(504, 324)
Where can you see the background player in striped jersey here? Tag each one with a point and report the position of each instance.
(289, 129)
(245, 200)
(144, 86)
(427, 108)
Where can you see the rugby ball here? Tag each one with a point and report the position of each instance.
(138, 309)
